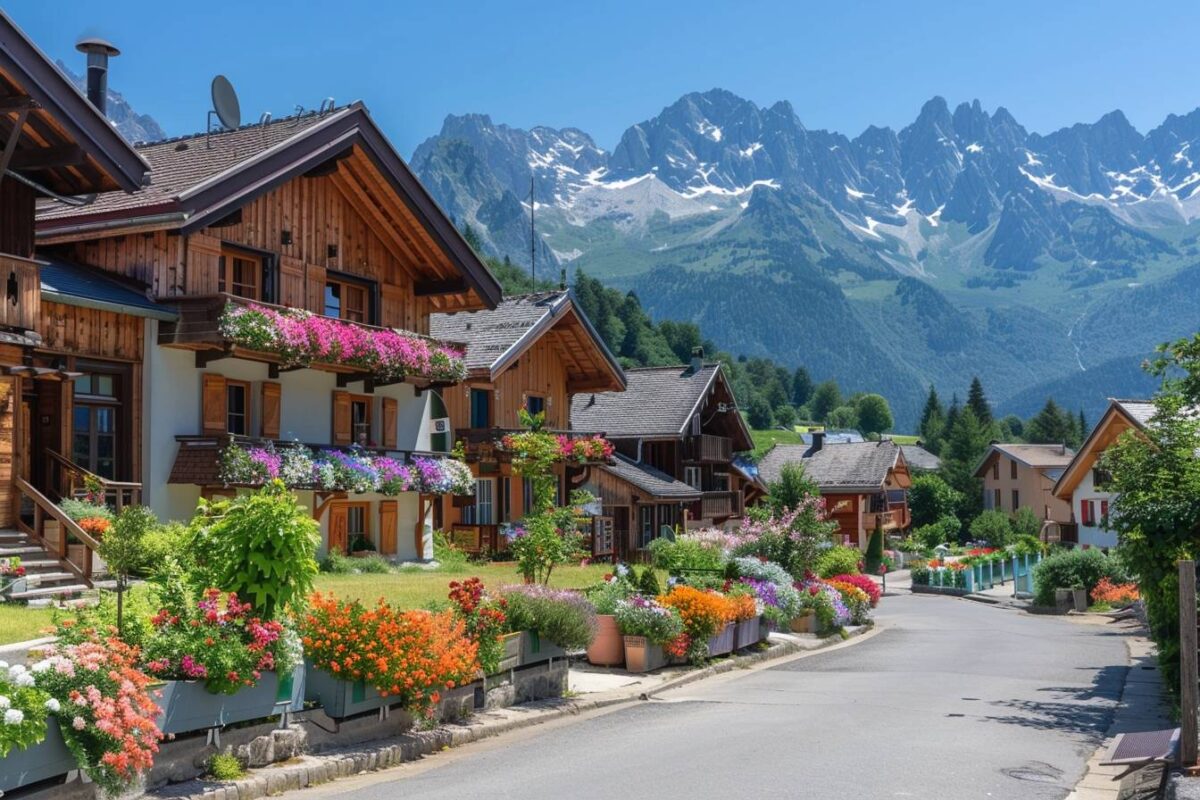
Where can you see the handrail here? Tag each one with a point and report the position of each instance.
(44, 505)
(116, 488)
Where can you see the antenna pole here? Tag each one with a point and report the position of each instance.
(532, 238)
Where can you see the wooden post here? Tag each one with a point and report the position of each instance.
(1189, 680)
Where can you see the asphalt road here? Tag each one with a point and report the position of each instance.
(952, 699)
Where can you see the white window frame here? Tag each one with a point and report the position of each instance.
(645, 526)
(693, 477)
(485, 501)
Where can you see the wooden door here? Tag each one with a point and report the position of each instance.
(339, 528)
(388, 514)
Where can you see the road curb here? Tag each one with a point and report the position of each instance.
(314, 770)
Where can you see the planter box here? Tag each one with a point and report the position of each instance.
(1064, 600)
(765, 626)
(746, 633)
(608, 648)
(512, 652)
(535, 649)
(642, 656)
(722, 643)
(188, 706)
(341, 698)
(1081, 599)
(805, 623)
(47, 759)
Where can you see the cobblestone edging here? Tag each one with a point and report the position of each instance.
(312, 770)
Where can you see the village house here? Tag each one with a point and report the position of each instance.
(532, 353)
(311, 224)
(53, 142)
(676, 431)
(1019, 476)
(864, 484)
(1084, 484)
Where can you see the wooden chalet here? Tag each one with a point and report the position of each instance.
(864, 484)
(53, 143)
(677, 430)
(533, 353)
(315, 212)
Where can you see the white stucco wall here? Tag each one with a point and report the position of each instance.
(1092, 535)
(172, 407)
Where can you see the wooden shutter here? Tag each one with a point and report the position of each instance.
(339, 527)
(272, 401)
(1103, 509)
(391, 411)
(341, 418)
(213, 404)
(388, 514)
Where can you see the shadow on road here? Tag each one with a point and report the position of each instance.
(1085, 710)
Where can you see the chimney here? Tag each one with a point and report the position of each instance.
(697, 359)
(98, 52)
(818, 438)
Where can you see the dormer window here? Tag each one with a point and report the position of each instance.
(241, 274)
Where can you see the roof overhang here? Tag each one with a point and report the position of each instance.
(1114, 422)
(719, 375)
(64, 118)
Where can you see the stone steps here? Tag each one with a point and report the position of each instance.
(50, 592)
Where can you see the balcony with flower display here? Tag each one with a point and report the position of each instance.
(573, 448)
(223, 326)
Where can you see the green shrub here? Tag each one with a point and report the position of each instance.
(930, 499)
(992, 527)
(162, 541)
(1069, 569)
(684, 554)
(874, 551)
(225, 767)
(448, 555)
(648, 583)
(374, 564)
(337, 563)
(561, 616)
(82, 509)
(1026, 523)
(840, 560)
(944, 531)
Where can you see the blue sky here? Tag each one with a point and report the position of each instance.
(602, 66)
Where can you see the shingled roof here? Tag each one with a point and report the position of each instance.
(650, 480)
(1036, 456)
(850, 466)
(496, 338)
(657, 402)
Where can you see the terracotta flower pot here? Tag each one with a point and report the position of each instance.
(641, 655)
(608, 648)
(805, 623)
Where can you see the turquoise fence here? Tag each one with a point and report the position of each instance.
(986, 575)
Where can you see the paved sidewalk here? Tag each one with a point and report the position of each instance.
(1142, 706)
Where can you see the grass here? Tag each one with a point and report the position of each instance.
(901, 438)
(19, 623)
(765, 440)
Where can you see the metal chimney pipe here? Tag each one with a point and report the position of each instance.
(98, 52)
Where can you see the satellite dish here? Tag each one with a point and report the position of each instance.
(225, 102)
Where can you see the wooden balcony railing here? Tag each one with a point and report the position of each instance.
(708, 448)
(476, 538)
(22, 300)
(891, 520)
(58, 533)
(72, 480)
(715, 505)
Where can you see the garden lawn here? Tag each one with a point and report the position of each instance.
(19, 623)
(765, 440)
(413, 587)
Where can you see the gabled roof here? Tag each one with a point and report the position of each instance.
(73, 285)
(497, 338)
(920, 458)
(91, 155)
(1034, 456)
(653, 481)
(1120, 416)
(201, 179)
(658, 402)
(847, 467)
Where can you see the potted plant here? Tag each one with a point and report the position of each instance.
(705, 617)
(31, 745)
(647, 628)
(608, 648)
(486, 623)
(551, 621)
(745, 612)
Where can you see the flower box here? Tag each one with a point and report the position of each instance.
(643, 656)
(189, 706)
(535, 649)
(608, 648)
(765, 626)
(723, 641)
(48, 758)
(341, 698)
(805, 623)
(746, 633)
(512, 652)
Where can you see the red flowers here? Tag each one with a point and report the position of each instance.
(868, 586)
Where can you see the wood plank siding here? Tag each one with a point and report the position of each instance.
(540, 371)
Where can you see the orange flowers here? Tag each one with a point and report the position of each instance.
(1114, 594)
(703, 613)
(410, 654)
(741, 607)
(95, 526)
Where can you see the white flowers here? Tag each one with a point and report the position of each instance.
(24, 680)
(5, 703)
(3, 665)
(42, 666)
(14, 716)
(53, 706)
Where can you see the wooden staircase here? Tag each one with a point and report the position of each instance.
(47, 577)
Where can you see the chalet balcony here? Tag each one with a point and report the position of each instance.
(23, 293)
(224, 325)
(487, 443)
(719, 505)
(894, 519)
(708, 449)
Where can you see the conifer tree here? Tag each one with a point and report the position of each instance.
(978, 402)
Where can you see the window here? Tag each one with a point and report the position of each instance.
(237, 407)
(483, 511)
(481, 408)
(1087, 512)
(645, 526)
(526, 495)
(504, 501)
(720, 482)
(1016, 498)
(1104, 514)
(360, 419)
(95, 421)
(535, 404)
(1012, 470)
(356, 527)
(996, 504)
(348, 300)
(241, 274)
(1101, 478)
(439, 441)
(666, 517)
(996, 470)
(691, 476)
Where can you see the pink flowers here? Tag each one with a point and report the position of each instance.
(585, 448)
(300, 337)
